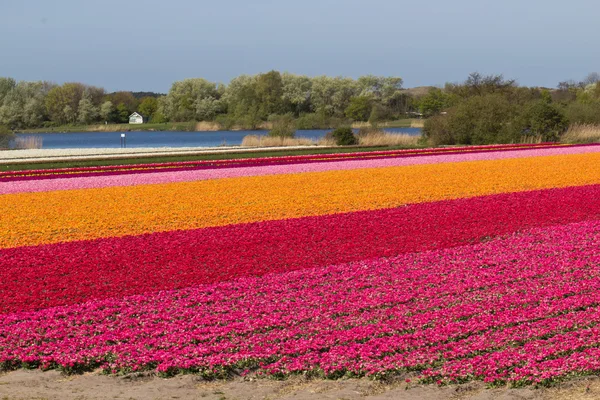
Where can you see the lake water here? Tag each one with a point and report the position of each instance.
(168, 139)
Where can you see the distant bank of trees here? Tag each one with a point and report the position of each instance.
(250, 100)
(247, 101)
(38, 104)
(491, 109)
(482, 109)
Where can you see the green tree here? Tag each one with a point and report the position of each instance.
(296, 90)
(86, 112)
(123, 97)
(359, 108)
(107, 111)
(159, 117)
(241, 100)
(6, 85)
(480, 85)
(433, 102)
(191, 99)
(331, 96)
(148, 107)
(69, 114)
(63, 101)
(122, 113)
(6, 135)
(377, 114)
(22, 105)
(380, 88)
(269, 92)
(208, 108)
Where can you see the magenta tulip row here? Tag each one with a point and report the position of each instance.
(503, 310)
(137, 178)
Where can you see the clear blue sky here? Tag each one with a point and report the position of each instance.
(148, 44)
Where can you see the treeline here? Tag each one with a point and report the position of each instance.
(247, 101)
(491, 109)
(44, 104)
(314, 102)
(480, 110)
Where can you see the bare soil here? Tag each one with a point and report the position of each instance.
(30, 385)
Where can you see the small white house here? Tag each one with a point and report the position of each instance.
(136, 118)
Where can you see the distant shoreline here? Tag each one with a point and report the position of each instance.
(193, 127)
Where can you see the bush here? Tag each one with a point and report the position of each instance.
(580, 113)
(436, 131)
(283, 126)
(541, 119)
(476, 120)
(226, 121)
(378, 113)
(344, 137)
(6, 136)
(312, 121)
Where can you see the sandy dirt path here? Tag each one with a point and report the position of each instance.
(24, 384)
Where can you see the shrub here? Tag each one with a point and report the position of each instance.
(580, 113)
(542, 119)
(227, 121)
(344, 137)
(6, 136)
(437, 132)
(311, 121)
(283, 126)
(476, 120)
(377, 115)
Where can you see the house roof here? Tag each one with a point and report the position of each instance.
(136, 113)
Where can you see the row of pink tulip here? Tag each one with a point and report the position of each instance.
(491, 311)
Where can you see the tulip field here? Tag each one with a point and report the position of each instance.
(451, 264)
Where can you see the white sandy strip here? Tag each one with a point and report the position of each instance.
(41, 155)
(46, 185)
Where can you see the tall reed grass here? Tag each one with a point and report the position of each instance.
(275, 141)
(366, 137)
(29, 142)
(417, 123)
(208, 126)
(532, 139)
(377, 137)
(582, 133)
(388, 139)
